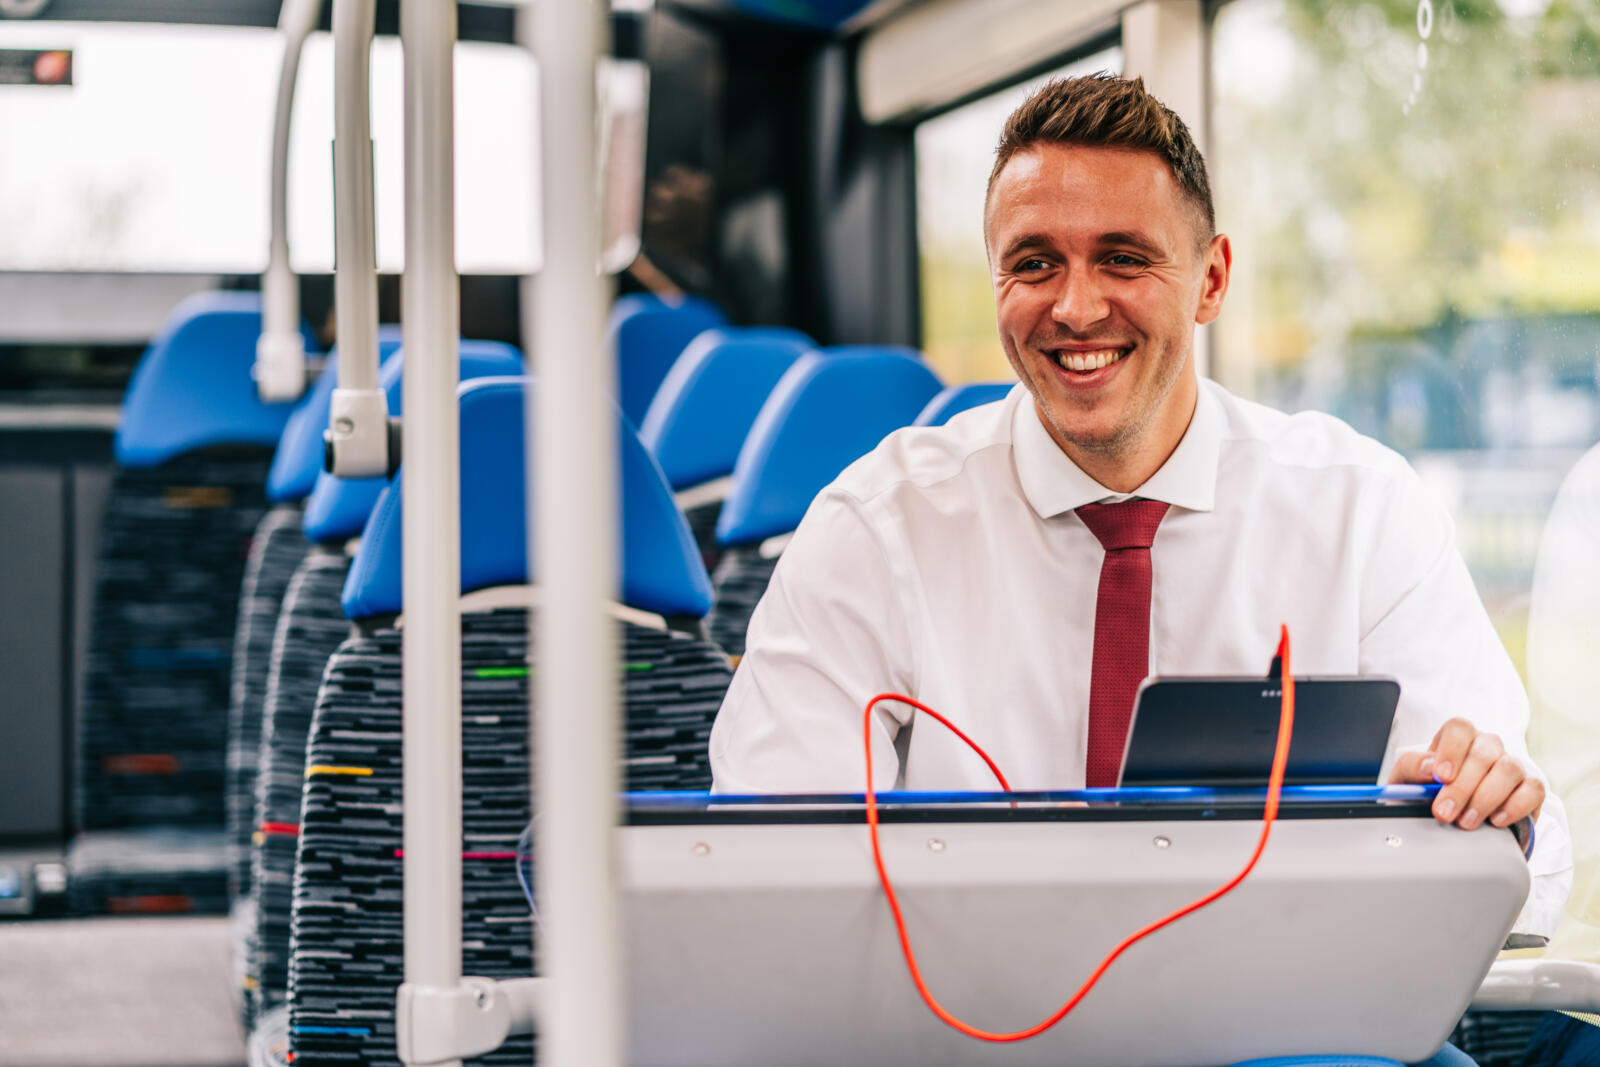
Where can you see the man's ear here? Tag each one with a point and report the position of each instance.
(1214, 285)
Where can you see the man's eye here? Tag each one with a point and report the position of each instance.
(1123, 259)
(1032, 263)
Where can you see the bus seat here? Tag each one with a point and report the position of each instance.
(337, 508)
(275, 551)
(699, 417)
(958, 398)
(1448, 1056)
(193, 389)
(647, 333)
(346, 949)
(193, 448)
(302, 635)
(830, 409)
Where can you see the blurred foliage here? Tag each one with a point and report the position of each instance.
(1390, 183)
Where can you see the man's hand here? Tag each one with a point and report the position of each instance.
(1480, 780)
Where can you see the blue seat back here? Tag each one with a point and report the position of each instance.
(661, 568)
(711, 396)
(958, 398)
(299, 456)
(647, 334)
(338, 507)
(193, 387)
(829, 409)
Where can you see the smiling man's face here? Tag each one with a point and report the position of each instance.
(1101, 271)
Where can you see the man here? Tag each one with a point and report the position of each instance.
(1022, 568)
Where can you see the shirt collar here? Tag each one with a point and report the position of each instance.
(1054, 484)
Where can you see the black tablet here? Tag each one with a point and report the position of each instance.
(1221, 731)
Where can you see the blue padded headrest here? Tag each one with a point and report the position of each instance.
(958, 398)
(299, 456)
(1326, 1061)
(661, 568)
(710, 397)
(338, 507)
(193, 386)
(647, 334)
(830, 409)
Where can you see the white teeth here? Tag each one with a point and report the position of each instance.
(1088, 361)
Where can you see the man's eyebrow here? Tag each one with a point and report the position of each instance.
(1026, 241)
(1134, 240)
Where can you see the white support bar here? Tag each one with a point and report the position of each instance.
(1540, 985)
(358, 424)
(436, 1026)
(432, 527)
(574, 533)
(280, 368)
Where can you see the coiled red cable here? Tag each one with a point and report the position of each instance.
(1280, 759)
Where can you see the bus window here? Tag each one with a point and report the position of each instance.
(1411, 189)
(155, 158)
(955, 151)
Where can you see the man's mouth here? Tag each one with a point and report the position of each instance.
(1085, 362)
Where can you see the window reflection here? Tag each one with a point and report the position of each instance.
(1413, 191)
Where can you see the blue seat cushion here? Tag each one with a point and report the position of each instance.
(299, 456)
(711, 396)
(193, 388)
(646, 334)
(830, 409)
(338, 507)
(661, 568)
(958, 398)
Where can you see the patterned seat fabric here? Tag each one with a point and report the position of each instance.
(347, 952)
(152, 736)
(1496, 1038)
(703, 527)
(310, 629)
(276, 550)
(741, 580)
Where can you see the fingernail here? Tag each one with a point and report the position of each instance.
(1446, 808)
(1426, 767)
(1470, 819)
(1500, 818)
(1443, 772)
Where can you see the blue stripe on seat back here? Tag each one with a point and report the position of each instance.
(193, 387)
(711, 396)
(830, 409)
(661, 568)
(646, 334)
(338, 507)
(298, 460)
(958, 398)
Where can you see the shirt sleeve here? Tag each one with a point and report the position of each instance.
(827, 636)
(1425, 625)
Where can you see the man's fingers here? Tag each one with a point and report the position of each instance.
(1450, 747)
(1412, 767)
(1496, 787)
(1525, 800)
(1463, 779)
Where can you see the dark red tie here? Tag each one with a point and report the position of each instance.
(1121, 628)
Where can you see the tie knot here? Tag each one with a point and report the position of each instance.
(1130, 524)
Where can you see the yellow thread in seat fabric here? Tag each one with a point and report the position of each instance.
(323, 768)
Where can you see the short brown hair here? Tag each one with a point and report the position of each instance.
(1105, 111)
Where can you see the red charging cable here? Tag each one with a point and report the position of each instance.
(1280, 760)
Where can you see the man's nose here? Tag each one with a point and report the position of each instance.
(1079, 302)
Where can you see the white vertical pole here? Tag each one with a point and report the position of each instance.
(432, 521)
(280, 352)
(358, 417)
(575, 524)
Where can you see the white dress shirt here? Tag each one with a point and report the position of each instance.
(948, 564)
